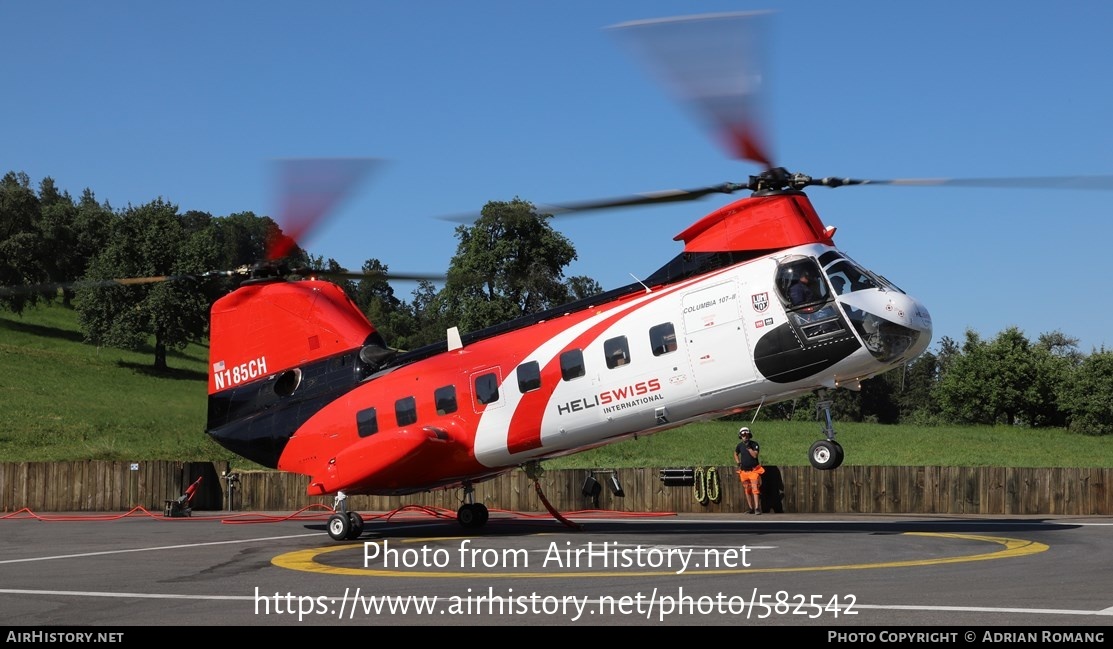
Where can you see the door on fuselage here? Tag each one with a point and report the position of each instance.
(716, 335)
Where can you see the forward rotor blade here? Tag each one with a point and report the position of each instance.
(633, 200)
(1096, 182)
(650, 198)
(715, 64)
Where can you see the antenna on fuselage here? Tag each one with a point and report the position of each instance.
(640, 282)
(454, 340)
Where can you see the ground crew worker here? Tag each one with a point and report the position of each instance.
(749, 469)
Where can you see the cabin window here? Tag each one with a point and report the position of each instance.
(572, 364)
(487, 388)
(367, 422)
(529, 376)
(446, 399)
(617, 351)
(662, 338)
(405, 411)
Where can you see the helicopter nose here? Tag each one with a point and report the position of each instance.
(893, 326)
(921, 320)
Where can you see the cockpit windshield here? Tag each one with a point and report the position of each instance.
(847, 276)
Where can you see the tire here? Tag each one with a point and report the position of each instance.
(339, 527)
(356, 521)
(484, 514)
(468, 516)
(825, 455)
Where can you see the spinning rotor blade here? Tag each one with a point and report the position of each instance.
(714, 63)
(29, 289)
(1032, 182)
(309, 189)
(651, 198)
(388, 276)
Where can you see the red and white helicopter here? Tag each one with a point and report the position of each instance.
(759, 307)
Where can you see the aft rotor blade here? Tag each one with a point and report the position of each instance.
(55, 286)
(310, 189)
(356, 276)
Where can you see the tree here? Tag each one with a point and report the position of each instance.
(582, 286)
(1055, 357)
(961, 391)
(429, 320)
(919, 381)
(508, 264)
(146, 241)
(1089, 398)
(21, 261)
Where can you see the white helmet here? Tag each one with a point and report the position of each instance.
(743, 431)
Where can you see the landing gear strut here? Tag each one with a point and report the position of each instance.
(344, 525)
(826, 454)
(471, 514)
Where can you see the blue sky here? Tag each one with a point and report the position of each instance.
(469, 102)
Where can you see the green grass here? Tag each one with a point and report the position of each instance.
(786, 443)
(61, 399)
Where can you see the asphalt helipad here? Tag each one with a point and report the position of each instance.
(529, 569)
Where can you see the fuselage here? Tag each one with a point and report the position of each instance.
(712, 333)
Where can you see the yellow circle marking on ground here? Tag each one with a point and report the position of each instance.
(306, 561)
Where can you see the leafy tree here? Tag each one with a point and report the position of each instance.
(429, 320)
(582, 286)
(1011, 376)
(509, 263)
(1089, 398)
(21, 261)
(964, 380)
(919, 380)
(146, 241)
(92, 222)
(1055, 356)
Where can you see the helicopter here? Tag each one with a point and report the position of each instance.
(759, 306)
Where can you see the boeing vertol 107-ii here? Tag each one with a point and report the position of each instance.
(759, 306)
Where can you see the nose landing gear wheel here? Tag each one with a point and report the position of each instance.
(356, 522)
(825, 455)
(339, 527)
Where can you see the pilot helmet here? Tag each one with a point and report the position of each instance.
(744, 432)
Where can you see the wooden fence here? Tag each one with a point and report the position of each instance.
(97, 486)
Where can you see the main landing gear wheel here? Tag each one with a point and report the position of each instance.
(356, 522)
(826, 454)
(340, 527)
(472, 515)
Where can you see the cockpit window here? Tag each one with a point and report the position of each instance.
(800, 283)
(847, 276)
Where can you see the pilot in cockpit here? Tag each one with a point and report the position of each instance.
(801, 291)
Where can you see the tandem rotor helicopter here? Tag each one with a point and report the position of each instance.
(758, 307)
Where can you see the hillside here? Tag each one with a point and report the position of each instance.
(61, 399)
